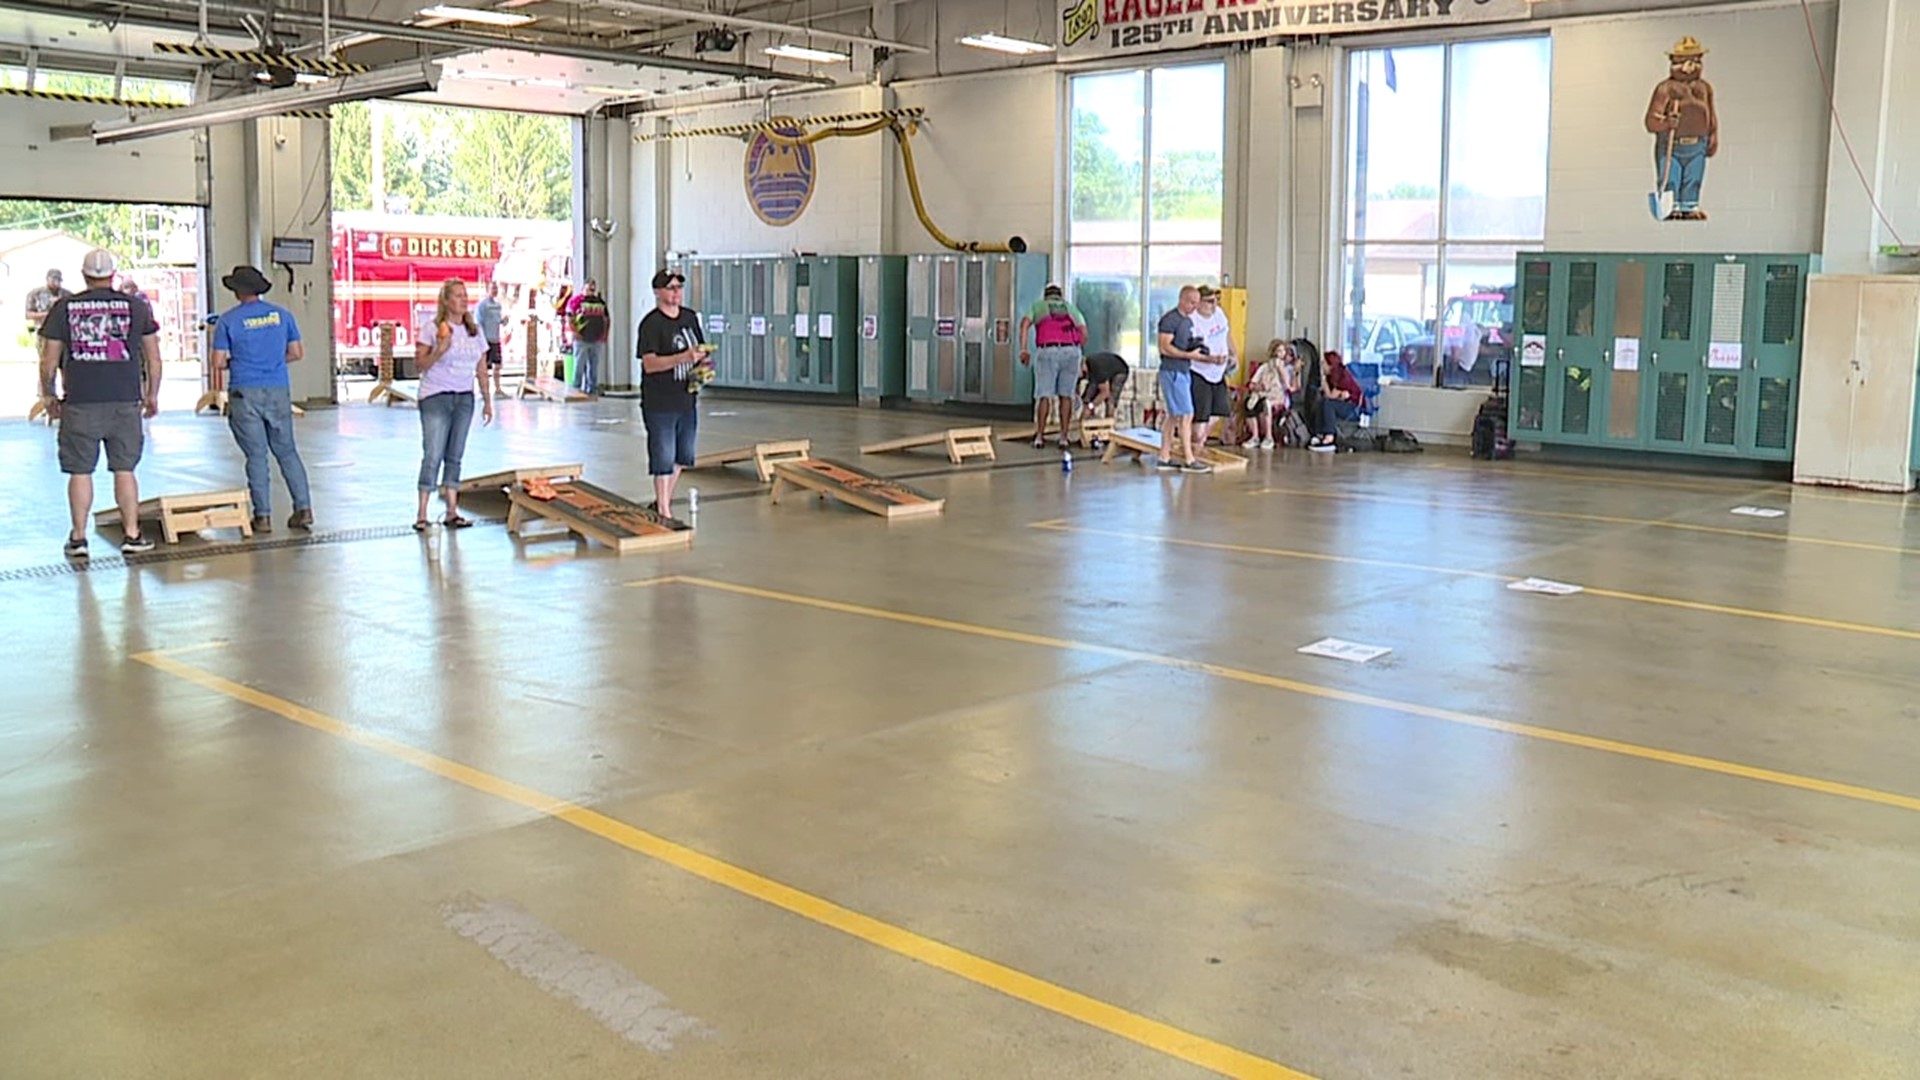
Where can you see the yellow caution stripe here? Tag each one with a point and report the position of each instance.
(787, 123)
(261, 58)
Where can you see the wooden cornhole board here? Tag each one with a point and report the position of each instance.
(855, 487)
(961, 443)
(1091, 429)
(216, 400)
(1137, 441)
(546, 386)
(763, 455)
(495, 481)
(393, 394)
(600, 515)
(191, 513)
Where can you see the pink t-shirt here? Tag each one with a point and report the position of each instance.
(454, 372)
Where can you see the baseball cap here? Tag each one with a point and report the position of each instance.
(667, 278)
(1052, 290)
(1208, 292)
(99, 263)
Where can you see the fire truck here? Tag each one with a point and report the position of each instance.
(388, 268)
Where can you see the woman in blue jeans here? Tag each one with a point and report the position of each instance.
(451, 354)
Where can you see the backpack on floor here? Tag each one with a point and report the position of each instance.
(1490, 441)
(1290, 430)
(1398, 441)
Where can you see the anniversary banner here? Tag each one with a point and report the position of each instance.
(1108, 27)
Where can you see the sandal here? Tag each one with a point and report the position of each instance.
(1039, 442)
(421, 525)
(455, 521)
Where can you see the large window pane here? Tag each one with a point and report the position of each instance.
(1391, 312)
(1497, 140)
(1105, 285)
(1107, 156)
(1188, 137)
(1170, 267)
(1393, 155)
(1477, 326)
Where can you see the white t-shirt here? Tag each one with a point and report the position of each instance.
(1213, 331)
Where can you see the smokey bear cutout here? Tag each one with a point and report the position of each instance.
(1686, 132)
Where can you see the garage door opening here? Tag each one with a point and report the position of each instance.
(423, 193)
(159, 251)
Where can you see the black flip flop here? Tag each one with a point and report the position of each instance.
(455, 521)
(421, 526)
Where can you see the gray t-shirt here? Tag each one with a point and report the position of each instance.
(487, 313)
(1184, 339)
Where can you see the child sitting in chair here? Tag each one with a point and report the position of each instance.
(1270, 393)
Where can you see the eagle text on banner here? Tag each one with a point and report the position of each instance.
(1109, 27)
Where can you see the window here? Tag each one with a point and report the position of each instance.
(1446, 183)
(130, 88)
(1144, 197)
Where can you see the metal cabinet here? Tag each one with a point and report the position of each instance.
(1678, 353)
(881, 331)
(963, 316)
(1860, 410)
(780, 323)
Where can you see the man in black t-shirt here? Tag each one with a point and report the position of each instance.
(109, 346)
(1106, 376)
(668, 347)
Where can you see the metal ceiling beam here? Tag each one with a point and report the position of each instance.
(638, 7)
(440, 35)
(680, 31)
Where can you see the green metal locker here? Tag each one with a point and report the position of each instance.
(880, 329)
(825, 297)
(963, 315)
(1694, 354)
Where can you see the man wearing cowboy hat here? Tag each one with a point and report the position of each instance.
(1685, 129)
(255, 341)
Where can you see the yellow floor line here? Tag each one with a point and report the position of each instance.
(1731, 489)
(1328, 693)
(1607, 519)
(1165, 1038)
(1487, 575)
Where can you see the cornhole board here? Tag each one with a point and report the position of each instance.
(546, 386)
(600, 515)
(1138, 441)
(961, 443)
(763, 455)
(216, 400)
(191, 513)
(496, 481)
(391, 393)
(855, 487)
(1092, 428)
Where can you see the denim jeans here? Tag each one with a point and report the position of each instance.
(261, 418)
(444, 420)
(589, 357)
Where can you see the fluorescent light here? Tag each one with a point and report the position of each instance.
(1005, 44)
(409, 78)
(476, 15)
(810, 55)
(309, 78)
(617, 91)
(476, 75)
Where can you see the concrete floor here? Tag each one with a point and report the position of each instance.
(964, 797)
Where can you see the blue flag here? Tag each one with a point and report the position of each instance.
(1393, 76)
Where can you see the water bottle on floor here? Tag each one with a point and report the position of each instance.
(693, 500)
(1066, 462)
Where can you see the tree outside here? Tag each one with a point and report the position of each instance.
(444, 161)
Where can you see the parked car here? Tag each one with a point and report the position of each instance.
(1377, 348)
(1476, 339)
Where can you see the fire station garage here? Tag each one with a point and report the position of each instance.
(960, 538)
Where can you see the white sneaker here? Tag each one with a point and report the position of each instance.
(1250, 443)
(1266, 444)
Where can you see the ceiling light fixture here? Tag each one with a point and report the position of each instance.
(309, 78)
(803, 52)
(1005, 44)
(484, 16)
(410, 78)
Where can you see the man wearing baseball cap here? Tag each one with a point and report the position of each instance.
(110, 346)
(254, 342)
(1059, 331)
(668, 346)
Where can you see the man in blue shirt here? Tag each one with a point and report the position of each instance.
(255, 341)
(489, 315)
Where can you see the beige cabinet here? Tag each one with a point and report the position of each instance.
(1857, 382)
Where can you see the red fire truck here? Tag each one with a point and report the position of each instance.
(388, 268)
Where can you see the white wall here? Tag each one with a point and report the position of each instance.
(708, 209)
(987, 158)
(1765, 189)
(163, 169)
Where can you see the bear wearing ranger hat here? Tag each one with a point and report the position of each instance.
(1685, 129)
